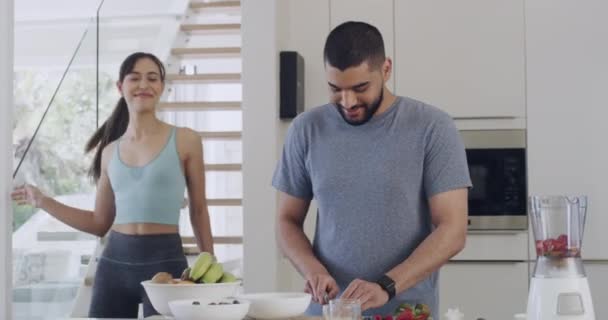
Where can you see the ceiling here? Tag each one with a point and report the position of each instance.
(47, 33)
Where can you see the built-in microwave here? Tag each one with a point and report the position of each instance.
(497, 166)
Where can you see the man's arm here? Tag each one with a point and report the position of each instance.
(449, 213)
(449, 216)
(296, 246)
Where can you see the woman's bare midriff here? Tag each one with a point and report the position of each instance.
(145, 228)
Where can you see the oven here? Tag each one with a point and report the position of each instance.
(497, 166)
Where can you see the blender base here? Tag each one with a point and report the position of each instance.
(560, 299)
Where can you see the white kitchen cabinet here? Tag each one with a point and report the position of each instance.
(567, 77)
(495, 246)
(489, 290)
(466, 57)
(378, 13)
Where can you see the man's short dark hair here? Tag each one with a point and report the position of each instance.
(352, 43)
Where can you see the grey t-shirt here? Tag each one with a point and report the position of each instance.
(372, 184)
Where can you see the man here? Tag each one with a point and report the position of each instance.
(390, 177)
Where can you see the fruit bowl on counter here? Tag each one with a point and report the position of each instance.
(160, 294)
(205, 280)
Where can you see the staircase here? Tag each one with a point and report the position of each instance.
(204, 81)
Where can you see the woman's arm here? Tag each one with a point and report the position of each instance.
(195, 180)
(96, 222)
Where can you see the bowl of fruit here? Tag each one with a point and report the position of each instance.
(217, 309)
(206, 279)
(406, 311)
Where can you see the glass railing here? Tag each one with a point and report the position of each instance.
(54, 113)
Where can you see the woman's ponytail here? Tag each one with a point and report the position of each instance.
(111, 130)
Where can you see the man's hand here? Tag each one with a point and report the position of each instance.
(370, 294)
(322, 287)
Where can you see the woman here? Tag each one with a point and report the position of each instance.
(142, 167)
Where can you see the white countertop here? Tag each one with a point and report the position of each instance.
(157, 317)
(166, 318)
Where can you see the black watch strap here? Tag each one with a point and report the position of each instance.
(388, 285)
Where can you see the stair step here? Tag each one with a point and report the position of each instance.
(223, 167)
(215, 4)
(211, 27)
(225, 202)
(200, 106)
(226, 135)
(220, 51)
(206, 77)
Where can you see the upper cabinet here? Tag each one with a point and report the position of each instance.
(466, 57)
(378, 13)
(567, 68)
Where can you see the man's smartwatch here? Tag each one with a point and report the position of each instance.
(388, 285)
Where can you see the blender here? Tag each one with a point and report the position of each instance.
(559, 289)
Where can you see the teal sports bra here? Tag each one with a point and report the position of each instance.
(153, 193)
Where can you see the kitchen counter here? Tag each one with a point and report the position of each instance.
(159, 318)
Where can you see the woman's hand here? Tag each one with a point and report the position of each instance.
(29, 195)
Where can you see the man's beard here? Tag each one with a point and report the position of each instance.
(370, 110)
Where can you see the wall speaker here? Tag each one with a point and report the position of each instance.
(291, 77)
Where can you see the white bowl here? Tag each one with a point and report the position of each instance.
(186, 310)
(160, 293)
(276, 305)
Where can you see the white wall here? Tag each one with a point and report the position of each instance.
(299, 34)
(260, 132)
(282, 23)
(6, 103)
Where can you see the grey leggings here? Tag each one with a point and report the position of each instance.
(126, 261)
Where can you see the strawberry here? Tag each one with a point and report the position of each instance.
(407, 314)
(389, 317)
(562, 238)
(377, 317)
(560, 246)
